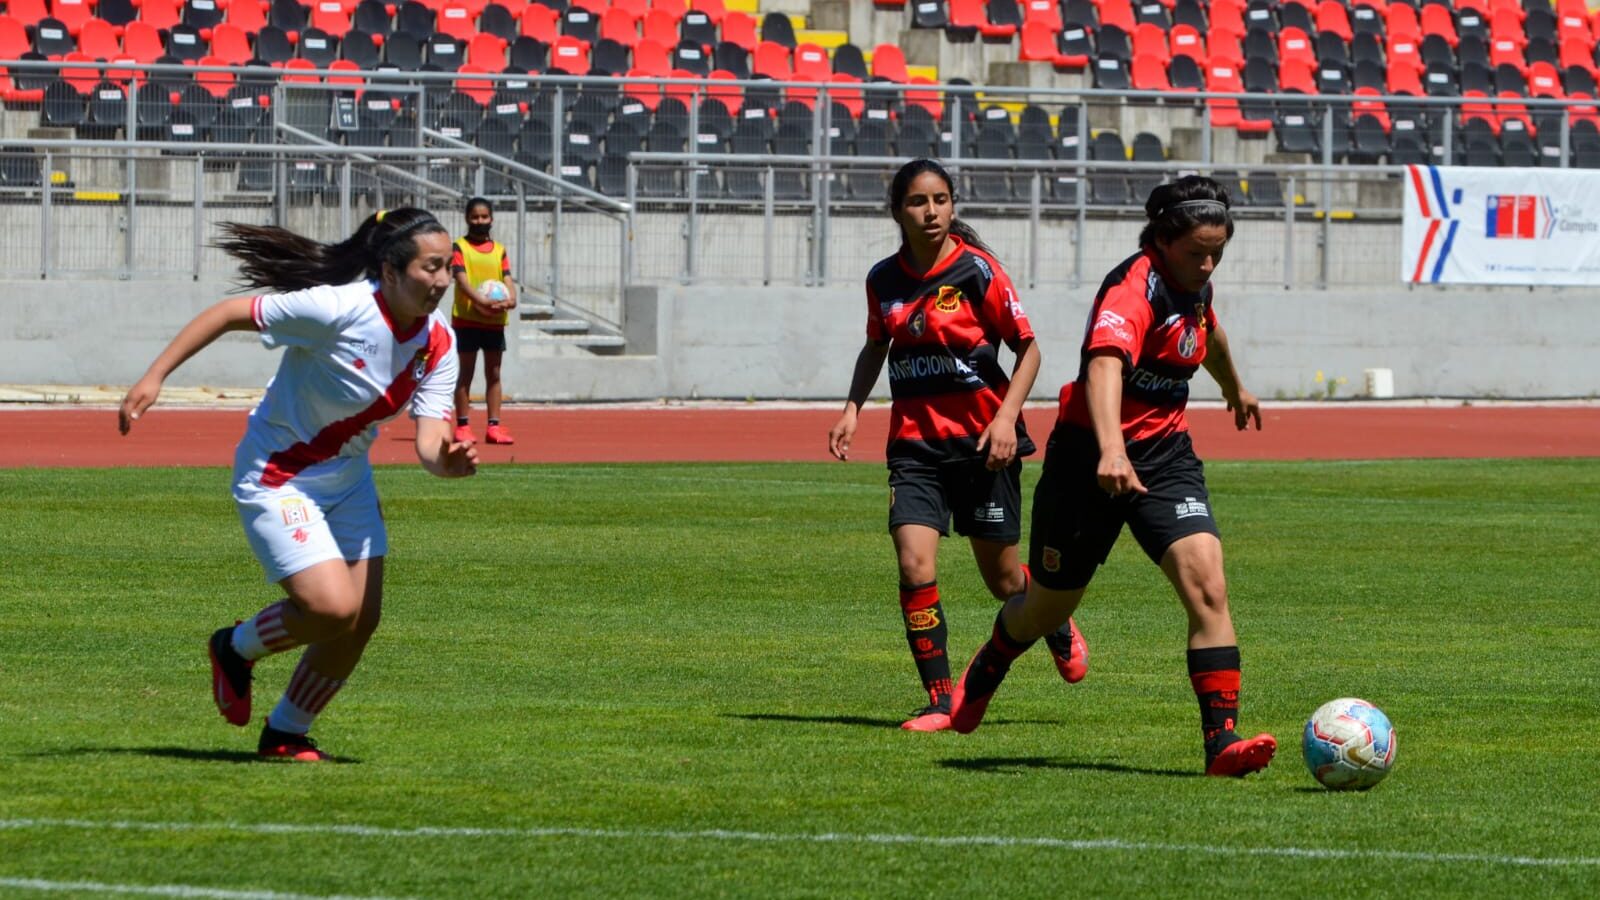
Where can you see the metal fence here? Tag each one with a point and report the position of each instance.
(140, 196)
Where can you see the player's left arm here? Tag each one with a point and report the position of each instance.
(510, 283)
(1219, 362)
(440, 453)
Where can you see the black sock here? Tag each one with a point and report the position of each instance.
(928, 636)
(461, 421)
(1214, 674)
(994, 659)
(494, 421)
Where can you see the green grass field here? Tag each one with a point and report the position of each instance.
(686, 680)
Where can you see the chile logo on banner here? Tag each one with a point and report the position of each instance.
(1500, 226)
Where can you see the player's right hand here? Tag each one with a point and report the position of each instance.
(839, 436)
(1117, 477)
(139, 398)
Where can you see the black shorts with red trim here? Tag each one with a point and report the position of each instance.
(473, 340)
(984, 504)
(1075, 522)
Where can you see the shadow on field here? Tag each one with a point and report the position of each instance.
(185, 753)
(1010, 764)
(860, 721)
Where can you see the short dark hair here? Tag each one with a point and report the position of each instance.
(475, 202)
(1177, 208)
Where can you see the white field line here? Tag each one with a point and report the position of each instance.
(157, 890)
(1113, 845)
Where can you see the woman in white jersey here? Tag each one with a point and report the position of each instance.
(363, 340)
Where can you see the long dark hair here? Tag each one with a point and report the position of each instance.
(901, 185)
(1176, 209)
(278, 259)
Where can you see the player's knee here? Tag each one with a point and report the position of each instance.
(916, 568)
(336, 612)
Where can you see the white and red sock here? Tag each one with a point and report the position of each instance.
(263, 635)
(308, 692)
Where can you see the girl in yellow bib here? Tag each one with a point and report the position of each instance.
(479, 321)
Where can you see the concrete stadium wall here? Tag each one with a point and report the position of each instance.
(753, 342)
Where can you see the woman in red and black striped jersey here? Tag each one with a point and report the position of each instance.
(1120, 453)
(937, 312)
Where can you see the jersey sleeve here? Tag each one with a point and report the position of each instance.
(435, 396)
(1002, 308)
(307, 318)
(876, 331)
(1121, 321)
(1211, 317)
(458, 262)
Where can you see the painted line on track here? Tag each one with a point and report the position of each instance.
(1114, 845)
(159, 890)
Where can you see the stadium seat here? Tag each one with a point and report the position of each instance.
(488, 52)
(540, 23)
(889, 63)
(288, 15)
(116, 12)
(777, 28)
(581, 24)
(569, 54)
(1074, 48)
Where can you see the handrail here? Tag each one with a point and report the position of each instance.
(549, 181)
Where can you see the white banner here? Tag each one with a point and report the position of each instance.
(1501, 226)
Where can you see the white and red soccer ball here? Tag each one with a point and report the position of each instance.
(1349, 744)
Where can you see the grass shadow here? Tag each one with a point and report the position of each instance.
(863, 721)
(1006, 765)
(188, 754)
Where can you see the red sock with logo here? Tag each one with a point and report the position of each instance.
(927, 636)
(1214, 673)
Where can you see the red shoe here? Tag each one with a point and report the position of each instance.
(230, 678)
(1070, 654)
(497, 434)
(277, 744)
(929, 718)
(1244, 756)
(464, 435)
(966, 710)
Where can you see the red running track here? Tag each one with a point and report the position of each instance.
(57, 436)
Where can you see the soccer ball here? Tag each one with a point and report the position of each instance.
(494, 291)
(1349, 744)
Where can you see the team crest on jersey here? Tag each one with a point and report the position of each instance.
(949, 299)
(294, 511)
(1188, 343)
(419, 365)
(918, 324)
(1051, 559)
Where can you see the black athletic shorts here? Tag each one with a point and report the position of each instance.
(1075, 522)
(472, 340)
(986, 505)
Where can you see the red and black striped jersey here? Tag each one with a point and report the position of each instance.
(944, 328)
(1160, 332)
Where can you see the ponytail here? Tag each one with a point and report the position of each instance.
(281, 260)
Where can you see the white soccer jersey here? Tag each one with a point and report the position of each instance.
(345, 370)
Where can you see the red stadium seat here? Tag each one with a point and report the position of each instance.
(772, 60)
(73, 14)
(1506, 51)
(1373, 108)
(811, 63)
(730, 96)
(1046, 11)
(230, 44)
(28, 12)
(1038, 43)
(927, 99)
(1574, 25)
(1227, 17)
(161, 14)
(712, 8)
(620, 25)
(570, 55)
(141, 42)
(672, 8)
(739, 28)
(541, 23)
(1402, 78)
(1225, 50)
(1400, 21)
(1118, 13)
(1297, 75)
(486, 53)
(1436, 19)
(1150, 41)
(851, 99)
(1405, 52)
(651, 57)
(1184, 40)
(660, 26)
(889, 62)
(83, 78)
(1334, 17)
(966, 19)
(1576, 51)
(1295, 45)
(1506, 22)
(683, 92)
(217, 84)
(332, 16)
(1544, 81)
(293, 73)
(248, 15)
(642, 88)
(457, 20)
(98, 40)
(1149, 73)
(478, 90)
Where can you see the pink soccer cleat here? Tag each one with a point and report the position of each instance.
(464, 435)
(230, 678)
(1070, 654)
(497, 434)
(1244, 756)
